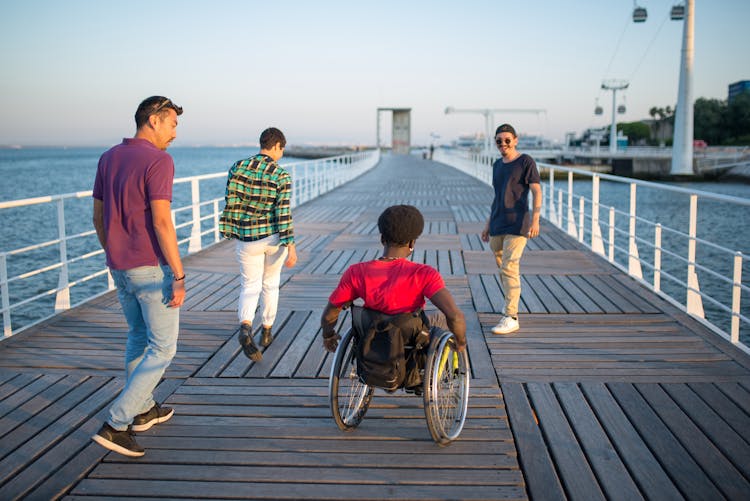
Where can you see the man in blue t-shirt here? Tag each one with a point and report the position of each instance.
(133, 221)
(514, 175)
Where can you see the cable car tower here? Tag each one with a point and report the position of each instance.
(614, 86)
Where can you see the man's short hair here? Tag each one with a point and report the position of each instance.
(400, 224)
(271, 136)
(506, 128)
(154, 105)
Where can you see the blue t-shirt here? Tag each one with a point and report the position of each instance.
(511, 204)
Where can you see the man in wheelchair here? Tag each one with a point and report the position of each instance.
(393, 290)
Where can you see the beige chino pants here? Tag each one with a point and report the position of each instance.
(508, 250)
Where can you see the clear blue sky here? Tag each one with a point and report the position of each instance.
(74, 71)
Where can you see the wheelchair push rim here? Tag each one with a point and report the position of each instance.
(446, 392)
(349, 398)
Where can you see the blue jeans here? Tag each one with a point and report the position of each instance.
(152, 338)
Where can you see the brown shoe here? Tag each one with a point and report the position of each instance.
(266, 338)
(249, 348)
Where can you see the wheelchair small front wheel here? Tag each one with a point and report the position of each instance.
(446, 392)
(349, 397)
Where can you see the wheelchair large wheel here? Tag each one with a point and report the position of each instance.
(446, 388)
(349, 397)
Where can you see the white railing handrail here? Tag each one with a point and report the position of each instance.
(583, 218)
(310, 179)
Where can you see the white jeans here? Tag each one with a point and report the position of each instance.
(260, 270)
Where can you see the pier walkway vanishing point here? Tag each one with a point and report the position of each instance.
(607, 391)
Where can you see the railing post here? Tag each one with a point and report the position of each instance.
(216, 221)
(736, 295)
(62, 298)
(597, 243)
(581, 219)
(634, 263)
(551, 209)
(559, 207)
(571, 217)
(195, 232)
(694, 302)
(657, 257)
(7, 327)
(611, 234)
(307, 185)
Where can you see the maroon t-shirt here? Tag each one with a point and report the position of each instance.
(390, 287)
(131, 175)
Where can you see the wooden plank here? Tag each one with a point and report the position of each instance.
(495, 293)
(77, 466)
(623, 302)
(716, 465)
(481, 300)
(538, 467)
(643, 466)
(208, 490)
(594, 295)
(567, 301)
(719, 397)
(308, 334)
(732, 443)
(18, 416)
(612, 474)
(575, 472)
(252, 474)
(29, 465)
(15, 383)
(580, 297)
(548, 299)
(676, 461)
(27, 392)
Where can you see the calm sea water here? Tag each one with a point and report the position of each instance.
(34, 172)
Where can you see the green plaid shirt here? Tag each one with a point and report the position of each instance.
(258, 201)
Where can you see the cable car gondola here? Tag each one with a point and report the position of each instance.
(639, 15)
(677, 13)
(621, 109)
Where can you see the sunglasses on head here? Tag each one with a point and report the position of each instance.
(167, 103)
(500, 141)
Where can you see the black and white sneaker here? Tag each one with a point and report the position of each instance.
(154, 415)
(122, 442)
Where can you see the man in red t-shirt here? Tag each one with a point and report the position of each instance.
(391, 284)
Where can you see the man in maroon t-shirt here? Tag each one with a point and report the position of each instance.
(133, 221)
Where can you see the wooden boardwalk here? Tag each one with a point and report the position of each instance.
(606, 392)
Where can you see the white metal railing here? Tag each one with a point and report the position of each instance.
(622, 244)
(198, 219)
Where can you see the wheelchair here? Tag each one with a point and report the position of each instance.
(445, 386)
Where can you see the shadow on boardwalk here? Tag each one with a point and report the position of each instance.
(605, 392)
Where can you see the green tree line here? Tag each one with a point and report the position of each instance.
(716, 121)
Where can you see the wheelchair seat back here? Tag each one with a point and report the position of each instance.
(385, 345)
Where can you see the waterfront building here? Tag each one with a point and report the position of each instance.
(738, 88)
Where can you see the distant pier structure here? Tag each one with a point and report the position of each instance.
(400, 129)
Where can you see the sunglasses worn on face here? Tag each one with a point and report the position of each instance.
(500, 141)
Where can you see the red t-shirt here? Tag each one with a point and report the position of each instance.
(390, 287)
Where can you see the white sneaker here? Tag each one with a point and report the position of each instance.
(506, 325)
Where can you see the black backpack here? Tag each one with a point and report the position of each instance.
(381, 361)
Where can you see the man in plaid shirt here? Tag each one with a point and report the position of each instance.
(258, 215)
